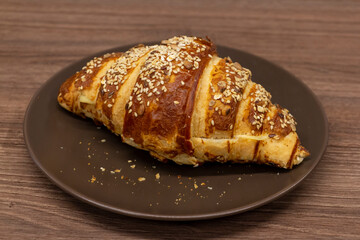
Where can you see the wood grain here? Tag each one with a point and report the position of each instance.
(318, 41)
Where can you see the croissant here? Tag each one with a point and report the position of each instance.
(182, 102)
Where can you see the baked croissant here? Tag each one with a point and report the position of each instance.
(180, 101)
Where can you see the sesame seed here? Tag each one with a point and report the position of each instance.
(260, 109)
(217, 96)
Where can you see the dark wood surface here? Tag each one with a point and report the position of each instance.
(318, 41)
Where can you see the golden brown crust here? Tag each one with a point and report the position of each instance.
(161, 102)
(280, 123)
(115, 77)
(228, 81)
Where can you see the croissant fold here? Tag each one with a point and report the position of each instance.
(180, 101)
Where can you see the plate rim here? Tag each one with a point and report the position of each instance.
(165, 217)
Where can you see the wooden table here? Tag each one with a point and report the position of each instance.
(318, 41)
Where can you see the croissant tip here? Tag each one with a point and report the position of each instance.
(303, 152)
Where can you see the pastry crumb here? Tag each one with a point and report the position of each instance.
(93, 179)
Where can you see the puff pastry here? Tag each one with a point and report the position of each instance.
(180, 101)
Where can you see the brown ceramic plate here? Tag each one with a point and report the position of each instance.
(70, 151)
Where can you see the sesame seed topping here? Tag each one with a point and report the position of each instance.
(118, 72)
(172, 56)
(227, 85)
(217, 96)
